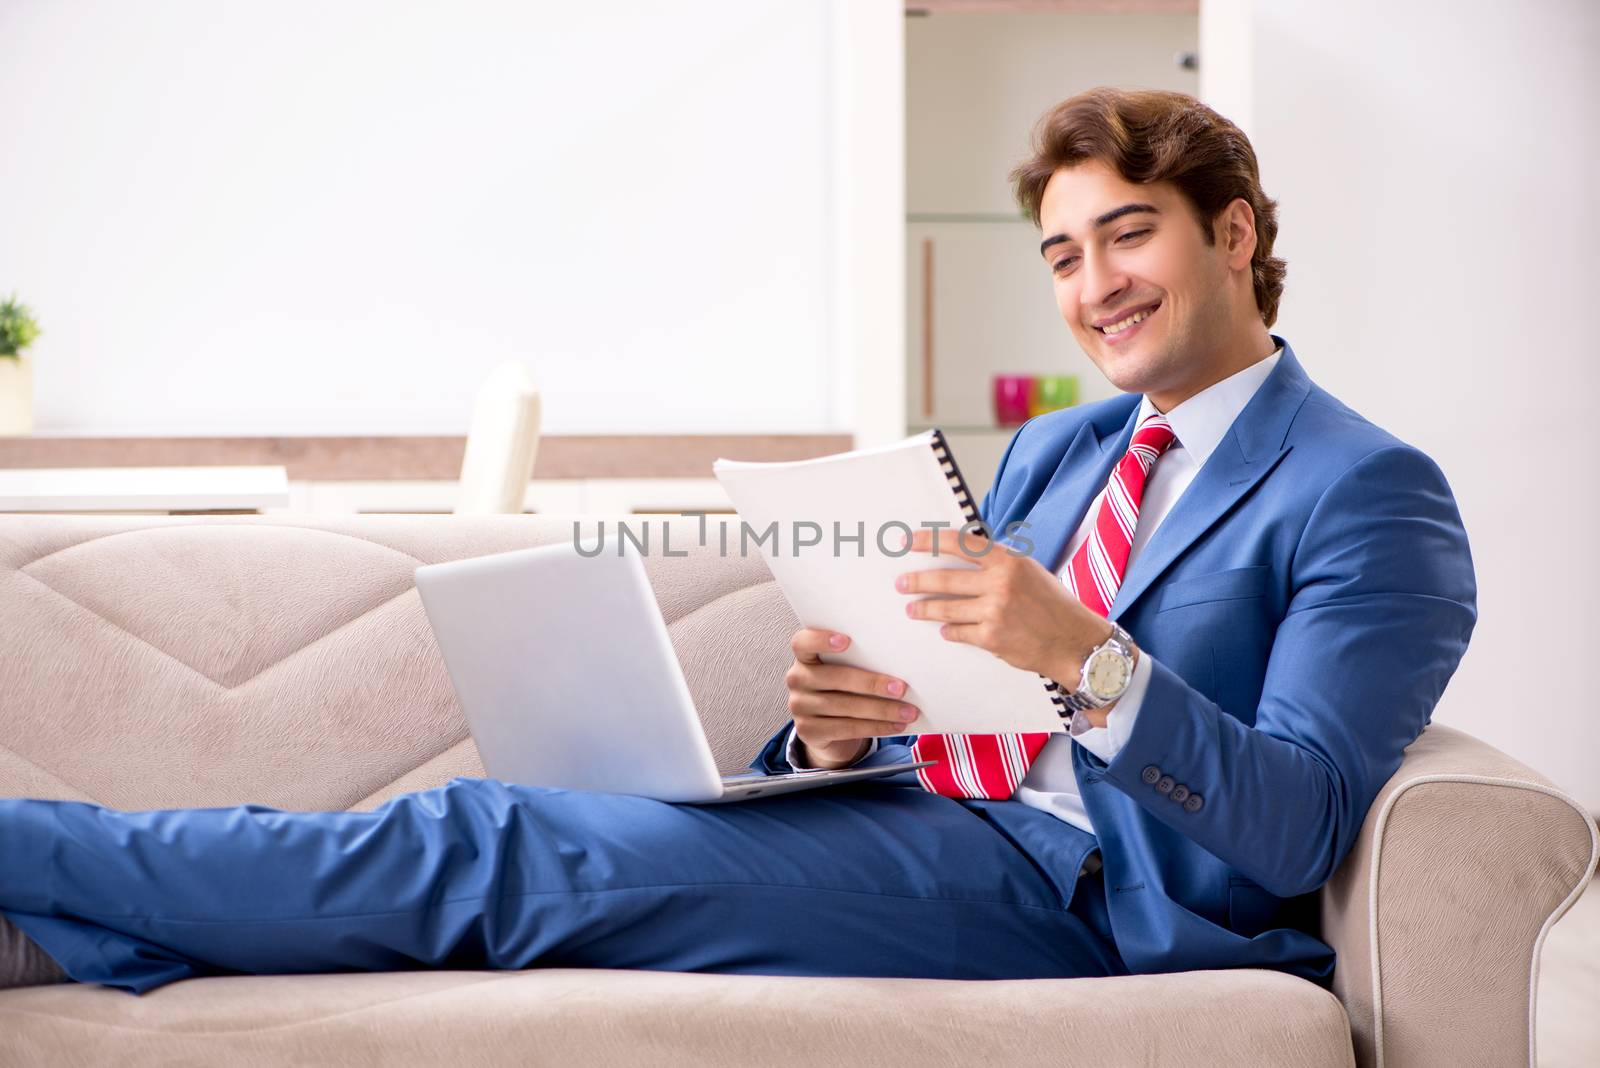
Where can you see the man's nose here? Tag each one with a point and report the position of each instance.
(1103, 284)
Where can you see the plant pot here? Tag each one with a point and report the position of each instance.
(16, 395)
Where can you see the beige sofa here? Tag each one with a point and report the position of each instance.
(156, 662)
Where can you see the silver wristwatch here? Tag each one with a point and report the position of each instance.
(1107, 670)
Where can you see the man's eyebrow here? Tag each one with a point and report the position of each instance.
(1109, 217)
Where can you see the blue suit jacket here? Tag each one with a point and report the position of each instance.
(1304, 602)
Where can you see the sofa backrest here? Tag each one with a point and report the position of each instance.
(152, 662)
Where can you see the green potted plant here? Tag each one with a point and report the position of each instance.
(17, 331)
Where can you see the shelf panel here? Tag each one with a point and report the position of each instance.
(961, 428)
(965, 217)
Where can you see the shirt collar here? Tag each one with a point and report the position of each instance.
(1200, 421)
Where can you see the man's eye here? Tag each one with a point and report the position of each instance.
(1133, 233)
(1063, 263)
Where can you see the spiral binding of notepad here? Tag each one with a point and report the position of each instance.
(952, 473)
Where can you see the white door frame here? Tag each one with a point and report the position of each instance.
(867, 200)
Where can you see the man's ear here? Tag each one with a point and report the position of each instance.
(1236, 233)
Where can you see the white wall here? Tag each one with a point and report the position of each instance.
(301, 217)
(1435, 163)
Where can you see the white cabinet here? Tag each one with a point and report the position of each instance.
(977, 81)
(981, 304)
(978, 295)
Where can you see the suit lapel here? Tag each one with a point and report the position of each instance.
(1226, 477)
(1082, 473)
(1247, 454)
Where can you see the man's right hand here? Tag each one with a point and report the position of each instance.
(837, 708)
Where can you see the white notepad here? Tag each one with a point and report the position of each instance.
(848, 586)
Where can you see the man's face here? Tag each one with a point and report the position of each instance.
(1115, 250)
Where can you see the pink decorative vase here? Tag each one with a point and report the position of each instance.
(1012, 396)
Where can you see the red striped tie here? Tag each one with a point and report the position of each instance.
(991, 765)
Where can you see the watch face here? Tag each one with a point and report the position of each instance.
(1107, 675)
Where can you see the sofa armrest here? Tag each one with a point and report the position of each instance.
(1438, 915)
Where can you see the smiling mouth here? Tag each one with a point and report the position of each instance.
(1131, 320)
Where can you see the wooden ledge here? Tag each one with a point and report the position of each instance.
(367, 458)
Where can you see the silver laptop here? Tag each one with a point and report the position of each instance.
(568, 679)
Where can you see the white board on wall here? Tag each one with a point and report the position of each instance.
(305, 218)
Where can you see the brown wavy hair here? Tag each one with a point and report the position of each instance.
(1149, 135)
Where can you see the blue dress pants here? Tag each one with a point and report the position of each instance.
(866, 879)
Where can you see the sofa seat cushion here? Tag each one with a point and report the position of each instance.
(566, 1016)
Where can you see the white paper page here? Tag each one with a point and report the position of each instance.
(848, 586)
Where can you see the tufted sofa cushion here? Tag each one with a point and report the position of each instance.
(289, 662)
(559, 1017)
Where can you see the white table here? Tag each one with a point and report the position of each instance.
(143, 489)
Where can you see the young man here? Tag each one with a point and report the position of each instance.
(1290, 586)
(1253, 597)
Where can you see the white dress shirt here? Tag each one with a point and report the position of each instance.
(1199, 425)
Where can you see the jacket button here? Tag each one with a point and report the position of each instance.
(1180, 793)
(1194, 804)
(1150, 774)
(1166, 783)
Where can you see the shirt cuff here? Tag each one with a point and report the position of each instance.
(791, 750)
(1106, 742)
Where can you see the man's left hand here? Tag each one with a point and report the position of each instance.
(1010, 605)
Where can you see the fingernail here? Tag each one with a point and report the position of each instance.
(900, 582)
(896, 688)
(836, 640)
(908, 713)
